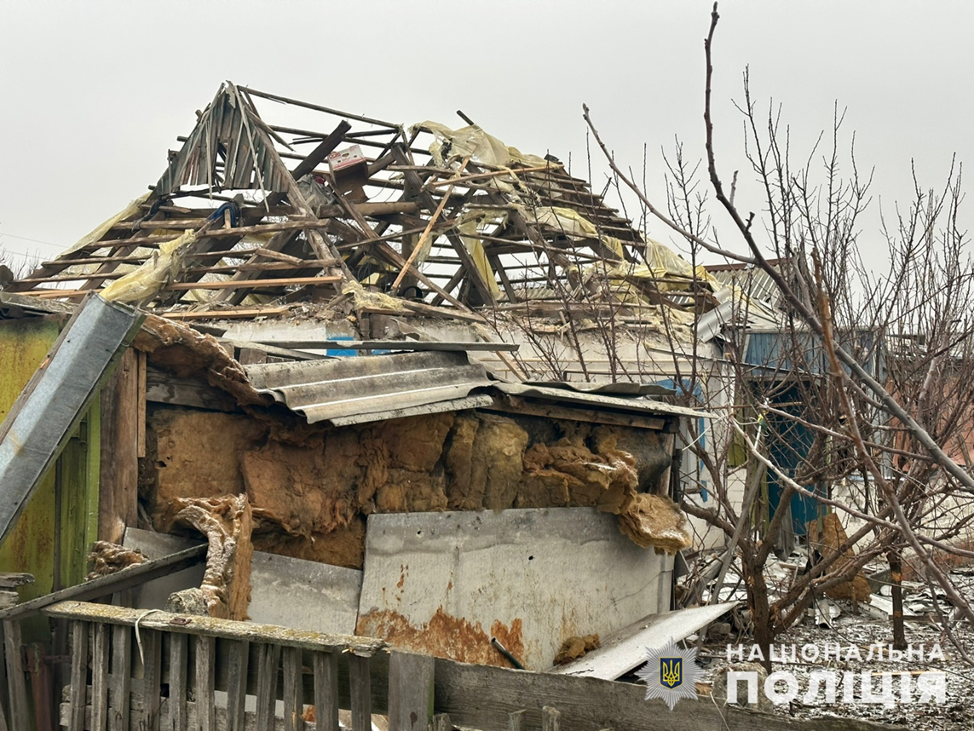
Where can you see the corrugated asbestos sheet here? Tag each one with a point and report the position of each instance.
(374, 388)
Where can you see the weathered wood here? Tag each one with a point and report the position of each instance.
(251, 356)
(395, 345)
(143, 364)
(120, 698)
(516, 721)
(484, 697)
(221, 628)
(79, 675)
(227, 314)
(99, 678)
(11, 580)
(268, 658)
(321, 151)
(237, 685)
(410, 691)
(254, 283)
(326, 691)
(8, 599)
(293, 690)
(205, 682)
(166, 388)
(177, 718)
(119, 470)
(550, 719)
(105, 585)
(151, 679)
(360, 686)
(441, 722)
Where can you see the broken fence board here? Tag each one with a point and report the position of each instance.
(105, 585)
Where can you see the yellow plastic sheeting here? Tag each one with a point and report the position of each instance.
(572, 223)
(146, 281)
(130, 210)
(469, 227)
(476, 144)
(663, 263)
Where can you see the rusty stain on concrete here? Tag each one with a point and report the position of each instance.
(445, 636)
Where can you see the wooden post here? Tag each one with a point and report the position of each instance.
(293, 687)
(410, 691)
(269, 656)
(361, 692)
(441, 722)
(121, 696)
(550, 719)
(178, 681)
(118, 483)
(326, 691)
(205, 682)
(16, 683)
(516, 721)
(79, 675)
(237, 685)
(151, 679)
(99, 679)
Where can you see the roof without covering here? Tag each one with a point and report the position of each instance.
(271, 201)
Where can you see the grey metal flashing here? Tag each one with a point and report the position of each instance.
(54, 400)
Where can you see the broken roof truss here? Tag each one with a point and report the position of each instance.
(248, 213)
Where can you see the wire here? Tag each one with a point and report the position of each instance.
(36, 241)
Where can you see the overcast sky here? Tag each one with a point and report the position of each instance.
(95, 93)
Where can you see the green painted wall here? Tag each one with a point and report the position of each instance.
(60, 522)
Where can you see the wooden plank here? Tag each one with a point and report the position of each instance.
(393, 345)
(79, 675)
(99, 679)
(361, 692)
(16, 682)
(326, 691)
(119, 581)
(550, 719)
(321, 151)
(220, 628)
(410, 691)
(140, 402)
(151, 679)
(120, 700)
(268, 659)
(255, 283)
(205, 682)
(483, 697)
(441, 722)
(293, 688)
(177, 719)
(517, 721)
(237, 685)
(119, 466)
(228, 314)
(11, 580)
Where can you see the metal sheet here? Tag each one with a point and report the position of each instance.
(38, 425)
(626, 649)
(445, 583)
(335, 389)
(595, 400)
(285, 591)
(371, 388)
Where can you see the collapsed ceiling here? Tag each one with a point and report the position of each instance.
(251, 216)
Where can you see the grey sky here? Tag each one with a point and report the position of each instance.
(95, 93)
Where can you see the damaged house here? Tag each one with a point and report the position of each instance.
(361, 393)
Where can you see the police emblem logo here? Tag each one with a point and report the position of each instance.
(671, 673)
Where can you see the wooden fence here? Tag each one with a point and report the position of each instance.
(154, 671)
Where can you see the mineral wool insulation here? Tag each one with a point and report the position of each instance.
(311, 487)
